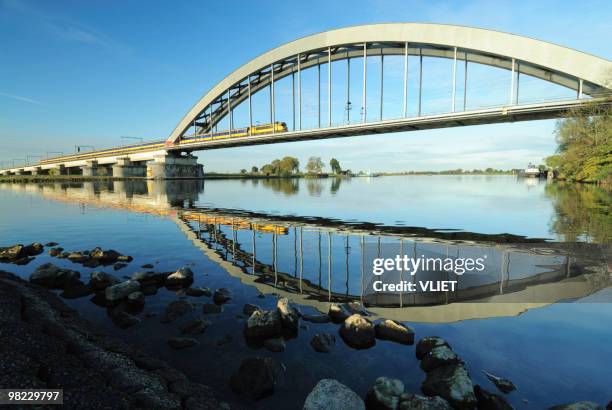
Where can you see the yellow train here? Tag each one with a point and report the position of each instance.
(236, 133)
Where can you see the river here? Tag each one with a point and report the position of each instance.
(538, 315)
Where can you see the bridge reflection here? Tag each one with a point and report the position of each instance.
(316, 261)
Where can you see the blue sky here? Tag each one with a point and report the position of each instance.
(89, 72)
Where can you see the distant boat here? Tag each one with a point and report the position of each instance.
(531, 171)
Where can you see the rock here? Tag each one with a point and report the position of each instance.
(289, 316)
(178, 343)
(451, 382)
(147, 266)
(439, 356)
(609, 406)
(263, 325)
(338, 312)
(330, 394)
(149, 363)
(105, 257)
(101, 280)
(209, 308)
(395, 331)
(156, 278)
(55, 251)
(385, 394)
(123, 319)
(504, 385)
(76, 289)
(490, 401)
(51, 244)
(125, 258)
(409, 401)
(276, 344)
(115, 293)
(119, 265)
(33, 249)
(77, 257)
(149, 290)
(425, 345)
(196, 327)
(136, 299)
(323, 342)
(222, 296)
(63, 255)
(176, 309)
(357, 307)
(182, 277)
(91, 263)
(198, 292)
(10, 253)
(316, 318)
(248, 309)
(50, 276)
(579, 405)
(254, 379)
(358, 332)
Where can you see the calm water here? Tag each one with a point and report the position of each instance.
(306, 239)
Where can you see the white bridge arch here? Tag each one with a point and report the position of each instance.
(582, 72)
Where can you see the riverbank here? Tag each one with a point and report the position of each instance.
(47, 345)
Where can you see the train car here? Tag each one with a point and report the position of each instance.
(237, 132)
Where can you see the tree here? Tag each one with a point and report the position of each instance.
(288, 165)
(314, 165)
(243, 171)
(335, 166)
(254, 170)
(267, 170)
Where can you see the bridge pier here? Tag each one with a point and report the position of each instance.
(91, 169)
(168, 166)
(124, 168)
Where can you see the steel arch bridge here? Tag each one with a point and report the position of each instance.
(586, 76)
(575, 70)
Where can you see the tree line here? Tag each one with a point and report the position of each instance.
(290, 166)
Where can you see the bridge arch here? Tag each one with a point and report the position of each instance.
(582, 72)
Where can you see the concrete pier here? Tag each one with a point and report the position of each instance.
(168, 166)
(124, 168)
(91, 169)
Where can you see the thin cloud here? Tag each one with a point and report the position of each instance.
(21, 98)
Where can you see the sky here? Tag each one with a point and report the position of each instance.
(91, 72)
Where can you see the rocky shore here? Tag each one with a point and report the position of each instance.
(46, 344)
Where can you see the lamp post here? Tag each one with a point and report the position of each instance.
(77, 148)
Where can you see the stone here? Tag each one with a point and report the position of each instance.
(11, 253)
(263, 325)
(77, 257)
(33, 249)
(439, 356)
(330, 394)
(222, 296)
(149, 290)
(323, 342)
(149, 363)
(53, 277)
(358, 332)
(409, 401)
(254, 379)
(289, 317)
(125, 258)
(176, 309)
(276, 344)
(385, 394)
(356, 307)
(209, 308)
(504, 385)
(195, 327)
(157, 278)
(182, 277)
(76, 289)
(394, 331)
(51, 244)
(178, 343)
(104, 257)
(91, 263)
(490, 401)
(55, 251)
(101, 280)
(115, 293)
(123, 319)
(451, 382)
(198, 292)
(248, 309)
(579, 405)
(316, 318)
(136, 299)
(338, 312)
(119, 265)
(425, 345)
(147, 266)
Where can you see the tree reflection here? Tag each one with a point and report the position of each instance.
(582, 212)
(287, 186)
